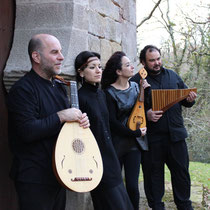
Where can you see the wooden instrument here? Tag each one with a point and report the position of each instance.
(137, 118)
(163, 99)
(77, 159)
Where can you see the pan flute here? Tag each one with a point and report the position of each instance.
(163, 99)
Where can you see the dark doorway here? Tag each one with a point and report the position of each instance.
(7, 20)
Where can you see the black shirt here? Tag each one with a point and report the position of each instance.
(34, 125)
(92, 101)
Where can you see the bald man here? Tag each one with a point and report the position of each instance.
(38, 106)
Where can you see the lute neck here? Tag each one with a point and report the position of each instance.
(74, 95)
(73, 91)
(141, 93)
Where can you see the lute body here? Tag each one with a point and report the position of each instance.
(137, 118)
(77, 159)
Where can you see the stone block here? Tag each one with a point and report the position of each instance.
(129, 11)
(78, 42)
(113, 30)
(44, 15)
(106, 51)
(18, 58)
(82, 2)
(106, 8)
(94, 43)
(80, 17)
(97, 24)
(129, 42)
(115, 47)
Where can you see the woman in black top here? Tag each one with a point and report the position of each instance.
(110, 194)
(121, 97)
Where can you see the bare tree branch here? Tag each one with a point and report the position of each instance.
(150, 15)
(197, 22)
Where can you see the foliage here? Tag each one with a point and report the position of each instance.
(194, 69)
(186, 51)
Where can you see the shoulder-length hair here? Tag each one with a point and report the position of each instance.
(114, 63)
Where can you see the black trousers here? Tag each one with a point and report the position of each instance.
(175, 156)
(40, 197)
(131, 163)
(115, 198)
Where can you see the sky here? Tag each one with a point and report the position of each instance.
(152, 32)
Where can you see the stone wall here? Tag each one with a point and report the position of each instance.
(104, 26)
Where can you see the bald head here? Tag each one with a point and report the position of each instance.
(37, 43)
(46, 56)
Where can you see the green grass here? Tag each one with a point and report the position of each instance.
(200, 176)
(199, 173)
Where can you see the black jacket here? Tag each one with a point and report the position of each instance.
(171, 123)
(93, 102)
(34, 125)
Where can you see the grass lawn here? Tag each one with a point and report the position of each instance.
(200, 176)
(199, 172)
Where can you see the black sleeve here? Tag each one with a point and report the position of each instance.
(115, 124)
(24, 116)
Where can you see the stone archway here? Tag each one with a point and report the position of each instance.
(7, 19)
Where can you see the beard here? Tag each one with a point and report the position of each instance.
(49, 69)
(154, 72)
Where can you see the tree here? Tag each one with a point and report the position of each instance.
(185, 49)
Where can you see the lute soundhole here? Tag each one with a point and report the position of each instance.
(78, 146)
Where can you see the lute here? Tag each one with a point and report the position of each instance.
(77, 159)
(137, 118)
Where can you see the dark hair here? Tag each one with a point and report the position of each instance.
(114, 63)
(143, 52)
(35, 44)
(81, 60)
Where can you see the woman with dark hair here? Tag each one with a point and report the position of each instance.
(121, 95)
(110, 194)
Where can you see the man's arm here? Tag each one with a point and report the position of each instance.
(24, 115)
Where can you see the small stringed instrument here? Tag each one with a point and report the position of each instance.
(137, 118)
(77, 158)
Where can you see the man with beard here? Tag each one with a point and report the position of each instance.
(38, 106)
(166, 135)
